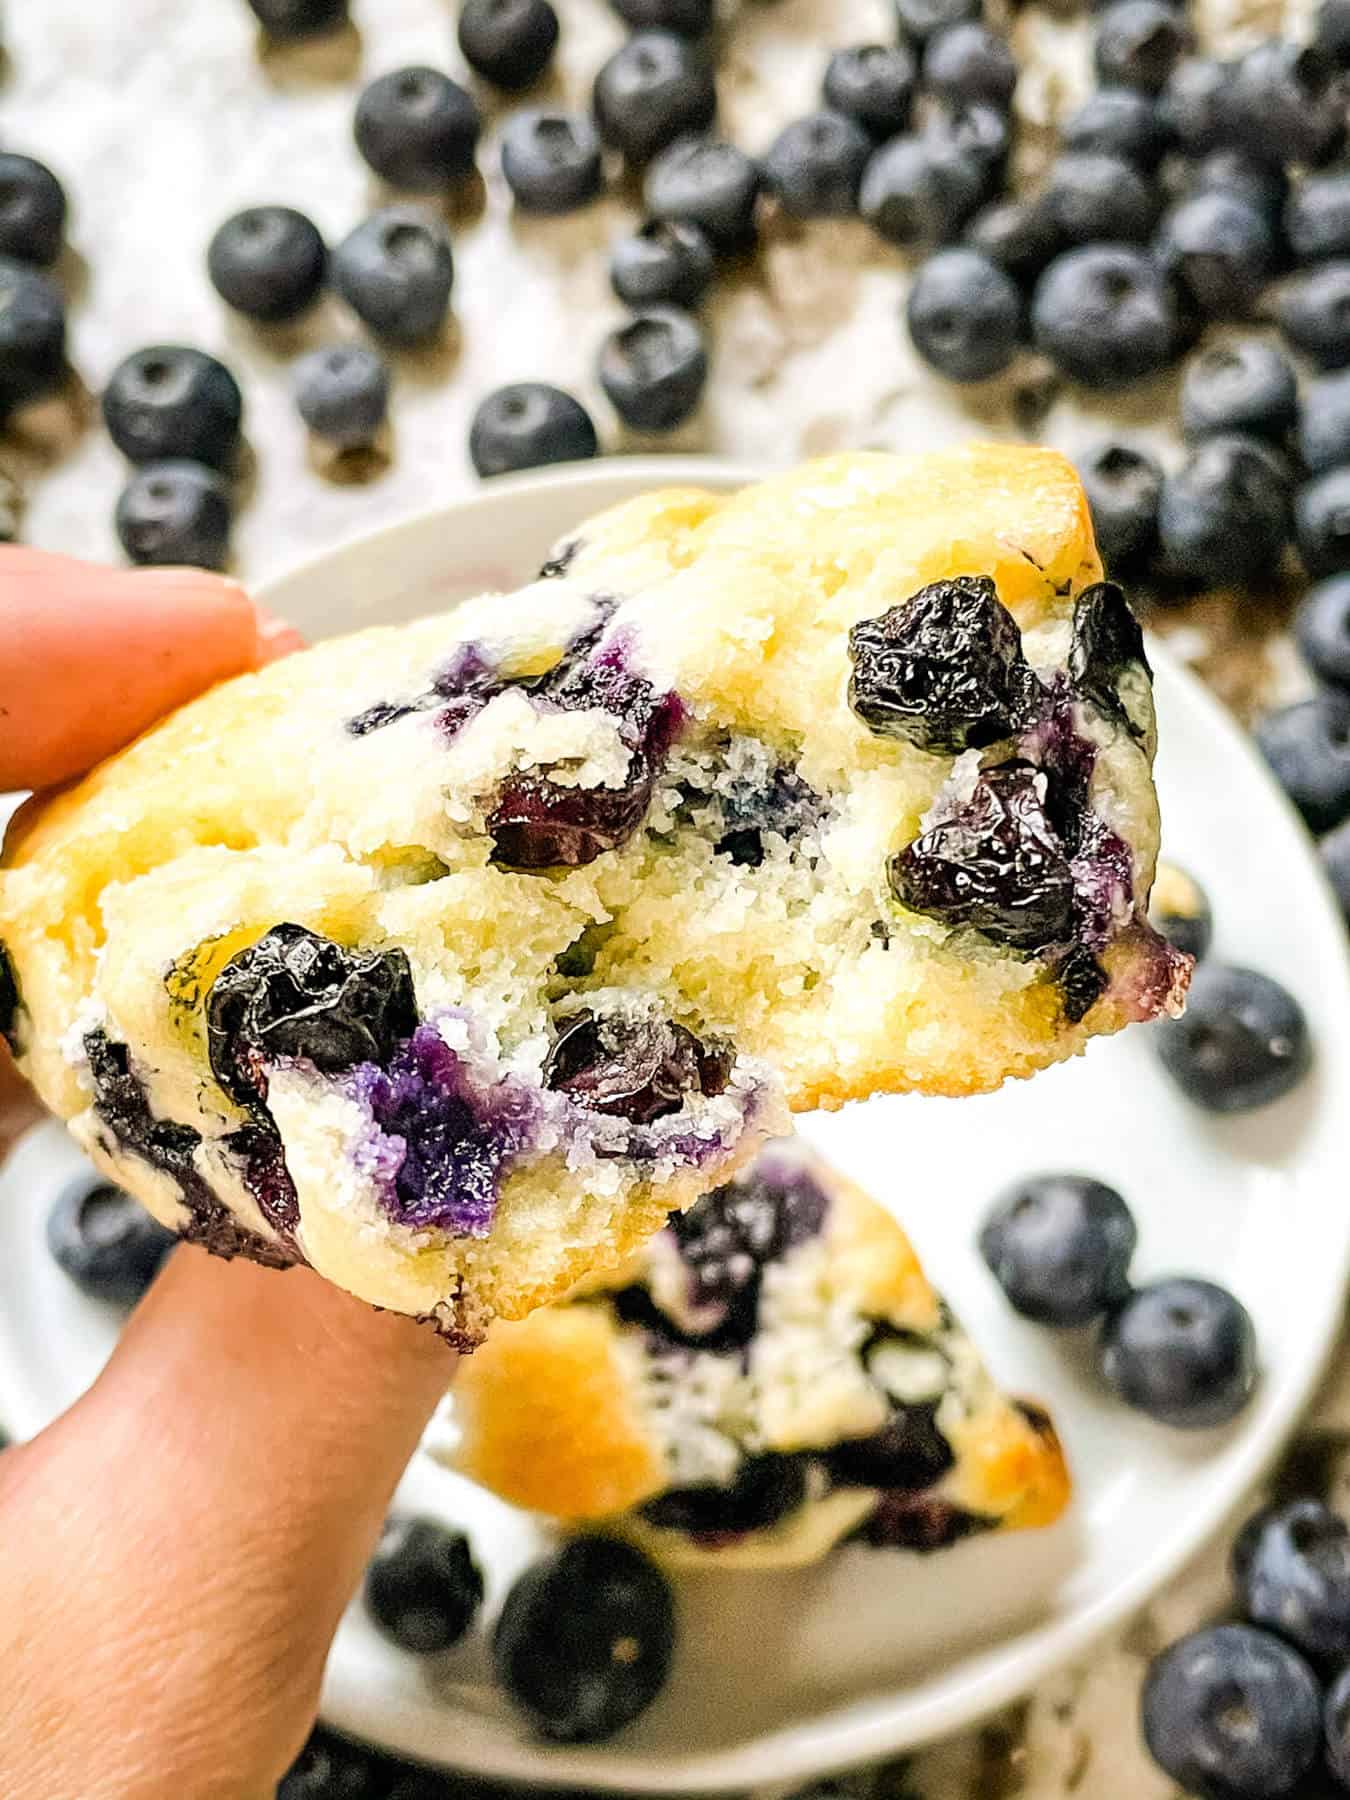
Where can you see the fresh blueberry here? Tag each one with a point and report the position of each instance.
(1118, 121)
(1322, 627)
(666, 262)
(1060, 1246)
(528, 425)
(1262, 184)
(32, 210)
(1123, 486)
(105, 1241)
(342, 393)
(1104, 315)
(1324, 425)
(1322, 523)
(32, 336)
(969, 62)
(1181, 1350)
(1021, 236)
(396, 271)
(975, 129)
(585, 1640)
(1313, 310)
(1242, 1043)
(1335, 849)
(291, 20)
(1336, 1714)
(1246, 386)
(1287, 95)
(654, 369)
(1308, 747)
(918, 20)
(711, 184)
(1333, 31)
(1224, 514)
(417, 129)
(423, 1588)
(508, 42)
(964, 315)
(1317, 216)
(1180, 910)
(176, 512)
(815, 164)
(1094, 198)
(1139, 43)
(1231, 1713)
(168, 403)
(268, 263)
(655, 89)
(691, 18)
(1295, 1578)
(1220, 251)
(331, 1768)
(874, 84)
(1194, 101)
(920, 190)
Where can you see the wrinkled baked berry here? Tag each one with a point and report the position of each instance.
(922, 1522)
(542, 824)
(9, 1000)
(635, 1069)
(728, 1237)
(766, 1489)
(908, 1452)
(1107, 643)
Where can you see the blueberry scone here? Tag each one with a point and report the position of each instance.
(451, 957)
(771, 1375)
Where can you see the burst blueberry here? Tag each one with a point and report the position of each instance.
(1060, 1247)
(1322, 523)
(654, 369)
(964, 315)
(1104, 315)
(417, 129)
(508, 42)
(396, 271)
(1242, 1043)
(665, 262)
(1322, 628)
(342, 393)
(169, 403)
(710, 183)
(1224, 514)
(268, 262)
(815, 164)
(655, 89)
(105, 1241)
(527, 425)
(1123, 485)
(423, 1588)
(1183, 1351)
(1220, 251)
(874, 84)
(32, 210)
(176, 512)
(1247, 386)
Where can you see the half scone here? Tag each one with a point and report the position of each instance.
(451, 957)
(772, 1375)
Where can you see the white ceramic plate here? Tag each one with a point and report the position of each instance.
(779, 1678)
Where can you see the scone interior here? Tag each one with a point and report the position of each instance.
(451, 957)
(772, 1375)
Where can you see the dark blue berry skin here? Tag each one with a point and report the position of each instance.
(1324, 425)
(964, 315)
(1220, 251)
(814, 165)
(665, 262)
(508, 42)
(169, 403)
(968, 63)
(552, 161)
(918, 20)
(691, 18)
(1193, 104)
(422, 1589)
(396, 271)
(291, 20)
(528, 425)
(1093, 198)
(417, 129)
(1060, 1246)
(32, 336)
(1335, 848)
(343, 394)
(1231, 1713)
(173, 513)
(1317, 216)
(1332, 35)
(1322, 627)
(653, 369)
(920, 190)
(1308, 747)
(1184, 916)
(1286, 95)
(874, 84)
(1322, 523)
(1123, 486)
(710, 183)
(32, 210)
(1105, 316)
(1243, 1041)
(655, 89)
(1183, 1351)
(1336, 1713)
(331, 1768)
(1262, 184)
(585, 1640)
(1022, 236)
(105, 1241)
(1246, 386)
(1223, 519)
(1313, 311)
(1295, 1578)
(268, 263)
(1118, 121)
(974, 129)
(1139, 43)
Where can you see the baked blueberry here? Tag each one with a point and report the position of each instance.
(1193, 103)
(874, 84)
(656, 88)
(1308, 747)
(1223, 518)
(638, 1069)
(1333, 31)
(423, 1588)
(654, 369)
(1324, 424)
(268, 263)
(32, 336)
(921, 189)
(969, 62)
(176, 512)
(665, 262)
(417, 129)
(691, 18)
(1295, 1577)
(168, 403)
(1313, 310)
(1060, 1247)
(814, 165)
(1123, 485)
(1322, 627)
(1181, 1350)
(964, 315)
(342, 393)
(331, 1768)
(552, 161)
(1104, 315)
(1180, 910)
(396, 271)
(1262, 184)
(1220, 251)
(527, 425)
(1095, 198)
(292, 20)
(1247, 386)
(765, 1489)
(1232, 1713)
(32, 210)
(1139, 43)
(1242, 1043)
(1317, 216)
(105, 1241)
(918, 20)
(711, 184)
(1287, 95)
(508, 42)
(1118, 121)
(727, 1238)
(584, 1642)
(1322, 523)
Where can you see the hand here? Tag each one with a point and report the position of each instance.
(177, 1549)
